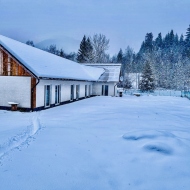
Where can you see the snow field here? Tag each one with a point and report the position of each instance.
(106, 143)
(13, 138)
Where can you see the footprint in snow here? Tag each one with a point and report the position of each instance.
(158, 148)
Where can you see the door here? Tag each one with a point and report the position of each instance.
(57, 94)
(72, 92)
(47, 95)
(102, 90)
(77, 91)
(106, 90)
(86, 88)
(89, 90)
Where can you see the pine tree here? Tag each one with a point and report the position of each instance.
(142, 48)
(89, 51)
(30, 43)
(85, 53)
(171, 38)
(148, 45)
(62, 54)
(147, 82)
(158, 42)
(187, 42)
(188, 34)
(120, 56)
(52, 49)
(176, 40)
(81, 56)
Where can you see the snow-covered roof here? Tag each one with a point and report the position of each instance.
(112, 71)
(47, 65)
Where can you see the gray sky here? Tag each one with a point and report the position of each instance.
(124, 22)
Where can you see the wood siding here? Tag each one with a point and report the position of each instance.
(33, 93)
(11, 67)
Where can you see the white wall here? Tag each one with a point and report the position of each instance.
(65, 90)
(18, 89)
(15, 89)
(97, 88)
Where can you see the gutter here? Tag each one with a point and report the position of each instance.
(64, 79)
(32, 92)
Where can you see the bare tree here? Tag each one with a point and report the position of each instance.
(100, 45)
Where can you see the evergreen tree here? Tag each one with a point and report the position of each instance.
(81, 56)
(171, 38)
(114, 59)
(176, 40)
(128, 60)
(147, 83)
(187, 42)
(85, 53)
(142, 48)
(120, 56)
(53, 49)
(61, 53)
(30, 43)
(148, 45)
(188, 34)
(158, 42)
(127, 83)
(89, 51)
(181, 40)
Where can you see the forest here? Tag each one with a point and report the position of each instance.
(167, 56)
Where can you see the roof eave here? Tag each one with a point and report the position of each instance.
(66, 79)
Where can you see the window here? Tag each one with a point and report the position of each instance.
(57, 94)
(72, 92)
(47, 95)
(86, 91)
(77, 91)
(105, 90)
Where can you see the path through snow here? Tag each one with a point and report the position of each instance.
(17, 140)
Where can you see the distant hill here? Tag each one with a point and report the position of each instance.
(66, 43)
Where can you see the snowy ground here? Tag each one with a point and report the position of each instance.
(98, 143)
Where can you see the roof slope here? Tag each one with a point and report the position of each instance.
(44, 64)
(112, 71)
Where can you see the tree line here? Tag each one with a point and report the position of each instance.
(167, 57)
(54, 50)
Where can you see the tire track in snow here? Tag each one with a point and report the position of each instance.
(21, 138)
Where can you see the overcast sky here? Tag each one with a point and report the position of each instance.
(124, 22)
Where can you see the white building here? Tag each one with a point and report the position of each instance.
(38, 80)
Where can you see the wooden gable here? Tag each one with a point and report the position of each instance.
(9, 66)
